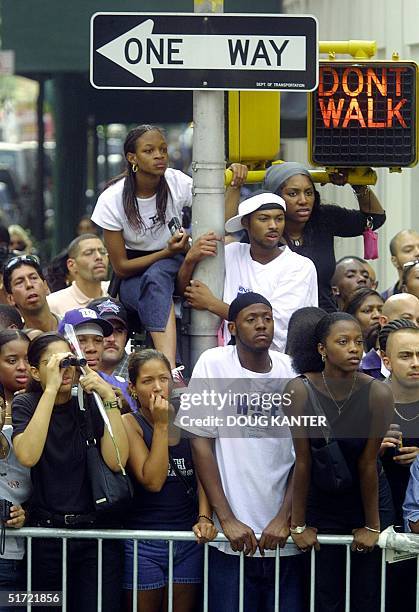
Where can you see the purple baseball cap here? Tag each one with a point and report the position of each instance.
(79, 316)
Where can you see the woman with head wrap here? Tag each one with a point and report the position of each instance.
(310, 228)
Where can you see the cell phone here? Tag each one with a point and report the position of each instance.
(174, 225)
(395, 428)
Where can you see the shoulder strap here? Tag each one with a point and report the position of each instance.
(317, 408)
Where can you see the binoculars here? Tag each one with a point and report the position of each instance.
(72, 361)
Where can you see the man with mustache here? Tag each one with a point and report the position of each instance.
(88, 263)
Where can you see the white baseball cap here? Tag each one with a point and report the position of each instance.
(267, 200)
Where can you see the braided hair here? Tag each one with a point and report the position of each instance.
(129, 198)
(391, 328)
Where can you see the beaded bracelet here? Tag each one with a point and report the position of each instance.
(206, 517)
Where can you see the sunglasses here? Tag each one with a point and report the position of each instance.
(14, 261)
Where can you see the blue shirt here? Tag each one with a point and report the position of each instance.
(411, 501)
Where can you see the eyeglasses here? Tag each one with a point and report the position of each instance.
(14, 261)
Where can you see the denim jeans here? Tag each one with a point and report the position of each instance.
(153, 564)
(259, 583)
(150, 293)
(12, 578)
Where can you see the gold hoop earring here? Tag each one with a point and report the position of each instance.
(134, 395)
(134, 168)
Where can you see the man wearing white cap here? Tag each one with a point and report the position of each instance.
(286, 279)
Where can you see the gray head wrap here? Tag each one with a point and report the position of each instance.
(279, 173)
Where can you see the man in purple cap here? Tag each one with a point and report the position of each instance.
(91, 330)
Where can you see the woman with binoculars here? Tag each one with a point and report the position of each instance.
(50, 438)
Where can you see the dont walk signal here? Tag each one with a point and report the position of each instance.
(364, 114)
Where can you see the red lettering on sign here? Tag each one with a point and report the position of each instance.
(398, 72)
(381, 85)
(353, 114)
(329, 92)
(345, 86)
(371, 122)
(395, 112)
(331, 112)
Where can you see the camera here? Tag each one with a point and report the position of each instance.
(174, 225)
(5, 506)
(72, 361)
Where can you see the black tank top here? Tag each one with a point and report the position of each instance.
(344, 510)
(171, 508)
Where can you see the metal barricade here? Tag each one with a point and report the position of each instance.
(179, 536)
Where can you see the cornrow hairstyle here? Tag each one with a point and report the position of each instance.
(391, 328)
(129, 198)
(358, 298)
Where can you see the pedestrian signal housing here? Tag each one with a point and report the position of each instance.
(253, 126)
(364, 114)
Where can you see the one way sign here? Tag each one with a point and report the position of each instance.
(203, 51)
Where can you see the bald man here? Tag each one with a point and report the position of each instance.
(399, 306)
(404, 247)
(350, 275)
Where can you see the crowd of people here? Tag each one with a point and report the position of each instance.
(342, 355)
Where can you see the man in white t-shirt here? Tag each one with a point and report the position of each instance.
(88, 262)
(287, 279)
(246, 468)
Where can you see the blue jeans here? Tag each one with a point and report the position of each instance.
(150, 293)
(12, 578)
(259, 583)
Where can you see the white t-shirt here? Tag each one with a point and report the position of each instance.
(253, 469)
(289, 282)
(109, 212)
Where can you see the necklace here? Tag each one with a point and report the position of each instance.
(297, 241)
(340, 408)
(404, 418)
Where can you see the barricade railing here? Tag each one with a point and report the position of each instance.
(181, 536)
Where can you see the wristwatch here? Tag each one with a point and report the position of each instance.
(297, 529)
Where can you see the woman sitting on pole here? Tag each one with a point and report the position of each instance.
(335, 487)
(50, 438)
(166, 493)
(138, 212)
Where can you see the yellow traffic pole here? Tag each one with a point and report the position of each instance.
(359, 49)
(356, 176)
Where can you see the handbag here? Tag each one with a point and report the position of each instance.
(329, 470)
(370, 241)
(111, 490)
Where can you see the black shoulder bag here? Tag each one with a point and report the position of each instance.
(329, 470)
(111, 490)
